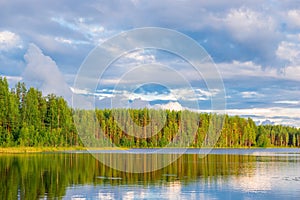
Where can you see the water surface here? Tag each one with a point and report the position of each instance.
(222, 174)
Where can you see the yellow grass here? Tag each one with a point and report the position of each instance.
(37, 149)
(7, 150)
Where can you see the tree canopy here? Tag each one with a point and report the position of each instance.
(27, 118)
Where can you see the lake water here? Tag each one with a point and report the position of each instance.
(222, 174)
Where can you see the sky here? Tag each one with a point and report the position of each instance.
(255, 46)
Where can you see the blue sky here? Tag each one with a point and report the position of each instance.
(255, 45)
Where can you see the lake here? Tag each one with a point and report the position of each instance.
(222, 174)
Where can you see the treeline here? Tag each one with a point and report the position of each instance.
(181, 129)
(27, 118)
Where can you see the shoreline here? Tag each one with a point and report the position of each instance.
(12, 150)
(20, 150)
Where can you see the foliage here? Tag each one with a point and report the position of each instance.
(29, 119)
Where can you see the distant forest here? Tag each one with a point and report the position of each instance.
(27, 118)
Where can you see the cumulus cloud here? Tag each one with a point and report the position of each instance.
(65, 32)
(253, 32)
(293, 17)
(42, 72)
(169, 106)
(9, 40)
(194, 94)
(76, 28)
(245, 23)
(289, 51)
(255, 45)
(250, 70)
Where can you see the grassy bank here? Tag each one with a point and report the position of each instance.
(37, 149)
(9, 150)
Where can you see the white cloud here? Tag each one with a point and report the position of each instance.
(207, 93)
(58, 45)
(79, 91)
(278, 115)
(63, 40)
(247, 69)
(69, 41)
(9, 40)
(150, 96)
(194, 94)
(49, 25)
(251, 94)
(42, 72)
(293, 17)
(141, 57)
(169, 106)
(289, 51)
(291, 72)
(237, 69)
(12, 80)
(144, 73)
(185, 94)
(246, 38)
(178, 94)
(92, 32)
(122, 101)
(287, 102)
(245, 23)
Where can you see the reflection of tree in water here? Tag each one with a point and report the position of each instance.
(34, 176)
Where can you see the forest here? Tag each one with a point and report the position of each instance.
(29, 119)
